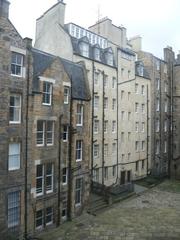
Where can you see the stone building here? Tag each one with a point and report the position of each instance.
(109, 62)
(13, 134)
(44, 136)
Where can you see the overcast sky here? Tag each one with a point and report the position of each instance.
(156, 21)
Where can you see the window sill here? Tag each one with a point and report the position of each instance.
(78, 160)
(47, 104)
(18, 76)
(14, 122)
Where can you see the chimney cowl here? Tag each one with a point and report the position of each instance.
(4, 8)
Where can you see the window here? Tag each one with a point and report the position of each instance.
(17, 64)
(97, 54)
(39, 180)
(79, 115)
(113, 104)
(136, 88)
(129, 136)
(64, 210)
(84, 49)
(13, 209)
(44, 178)
(47, 93)
(157, 104)
(157, 84)
(136, 107)
(43, 137)
(165, 125)
(143, 126)
(122, 136)
(96, 150)
(142, 90)
(157, 65)
(113, 82)
(137, 126)
(105, 81)
(165, 105)
(64, 176)
(113, 148)
(114, 170)
(113, 126)
(143, 108)
(129, 176)
(66, 95)
(137, 146)
(15, 108)
(157, 146)
(157, 125)
(96, 78)
(105, 149)
(106, 172)
(105, 126)
(96, 175)
(65, 133)
(142, 164)
(49, 177)
(78, 150)
(137, 166)
(77, 32)
(165, 146)
(49, 133)
(96, 101)
(96, 126)
(129, 74)
(129, 156)
(105, 103)
(129, 94)
(122, 72)
(78, 191)
(14, 156)
(129, 116)
(122, 94)
(165, 87)
(122, 156)
(109, 58)
(49, 216)
(143, 146)
(44, 216)
(122, 115)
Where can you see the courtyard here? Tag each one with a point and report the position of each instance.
(151, 215)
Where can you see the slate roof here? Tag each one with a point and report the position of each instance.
(145, 72)
(76, 73)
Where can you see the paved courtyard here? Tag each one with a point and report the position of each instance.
(153, 215)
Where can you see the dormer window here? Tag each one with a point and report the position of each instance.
(97, 54)
(109, 57)
(84, 49)
(140, 70)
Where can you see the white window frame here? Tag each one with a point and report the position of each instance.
(79, 115)
(96, 102)
(165, 146)
(96, 126)
(78, 190)
(143, 108)
(19, 65)
(143, 146)
(13, 209)
(113, 126)
(106, 149)
(50, 175)
(165, 106)
(122, 115)
(157, 125)
(165, 125)
(42, 217)
(40, 193)
(105, 103)
(96, 78)
(137, 146)
(47, 215)
(84, 49)
(105, 126)
(47, 93)
(157, 146)
(113, 82)
(136, 88)
(157, 105)
(64, 175)
(65, 133)
(136, 107)
(66, 95)
(143, 126)
(106, 173)
(79, 148)
(137, 126)
(17, 155)
(15, 108)
(143, 90)
(106, 81)
(42, 132)
(96, 150)
(50, 132)
(113, 104)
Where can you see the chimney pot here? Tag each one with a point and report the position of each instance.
(4, 8)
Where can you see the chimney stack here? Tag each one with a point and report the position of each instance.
(4, 8)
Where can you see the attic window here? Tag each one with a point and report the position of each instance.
(140, 70)
(97, 54)
(109, 58)
(84, 49)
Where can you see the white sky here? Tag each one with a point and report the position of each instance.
(157, 21)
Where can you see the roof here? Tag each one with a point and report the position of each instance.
(76, 73)
(138, 72)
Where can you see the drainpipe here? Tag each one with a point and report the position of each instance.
(70, 176)
(160, 119)
(59, 168)
(117, 102)
(26, 148)
(103, 128)
(92, 126)
(147, 149)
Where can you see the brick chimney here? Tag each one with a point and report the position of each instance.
(4, 8)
